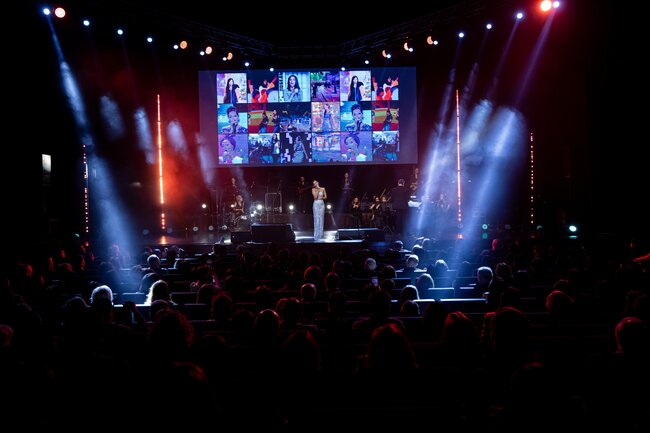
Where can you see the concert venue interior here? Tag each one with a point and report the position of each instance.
(306, 217)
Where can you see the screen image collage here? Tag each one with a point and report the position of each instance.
(315, 117)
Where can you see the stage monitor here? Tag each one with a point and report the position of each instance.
(310, 117)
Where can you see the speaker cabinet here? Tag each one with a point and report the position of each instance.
(272, 233)
(371, 234)
(240, 237)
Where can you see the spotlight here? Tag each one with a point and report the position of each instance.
(488, 26)
(86, 23)
(229, 56)
(259, 206)
(46, 11)
(519, 15)
(247, 64)
(149, 39)
(386, 54)
(208, 50)
(211, 228)
(343, 68)
(175, 46)
(461, 35)
(195, 228)
(204, 206)
(367, 62)
(556, 4)
(59, 12)
(329, 206)
(120, 32)
(271, 69)
(429, 40)
(407, 48)
(573, 228)
(183, 45)
(291, 208)
(546, 5)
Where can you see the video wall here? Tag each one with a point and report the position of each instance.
(259, 117)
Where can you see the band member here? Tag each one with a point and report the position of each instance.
(376, 217)
(355, 210)
(400, 195)
(346, 190)
(238, 212)
(415, 180)
(303, 195)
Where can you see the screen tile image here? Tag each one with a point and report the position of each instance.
(233, 149)
(385, 116)
(294, 87)
(325, 86)
(356, 85)
(231, 88)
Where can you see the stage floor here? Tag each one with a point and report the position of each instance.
(210, 238)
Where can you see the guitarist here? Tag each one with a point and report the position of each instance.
(415, 180)
(303, 197)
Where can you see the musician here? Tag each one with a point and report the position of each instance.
(355, 210)
(415, 180)
(400, 196)
(238, 211)
(231, 191)
(347, 190)
(303, 197)
(376, 211)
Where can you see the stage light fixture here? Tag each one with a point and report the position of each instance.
(429, 40)
(204, 206)
(208, 50)
(229, 56)
(46, 11)
(149, 39)
(488, 26)
(545, 5)
(59, 12)
(86, 23)
(183, 45)
(175, 46)
(120, 32)
(195, 229)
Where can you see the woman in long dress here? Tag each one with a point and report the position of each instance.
(320, 195)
